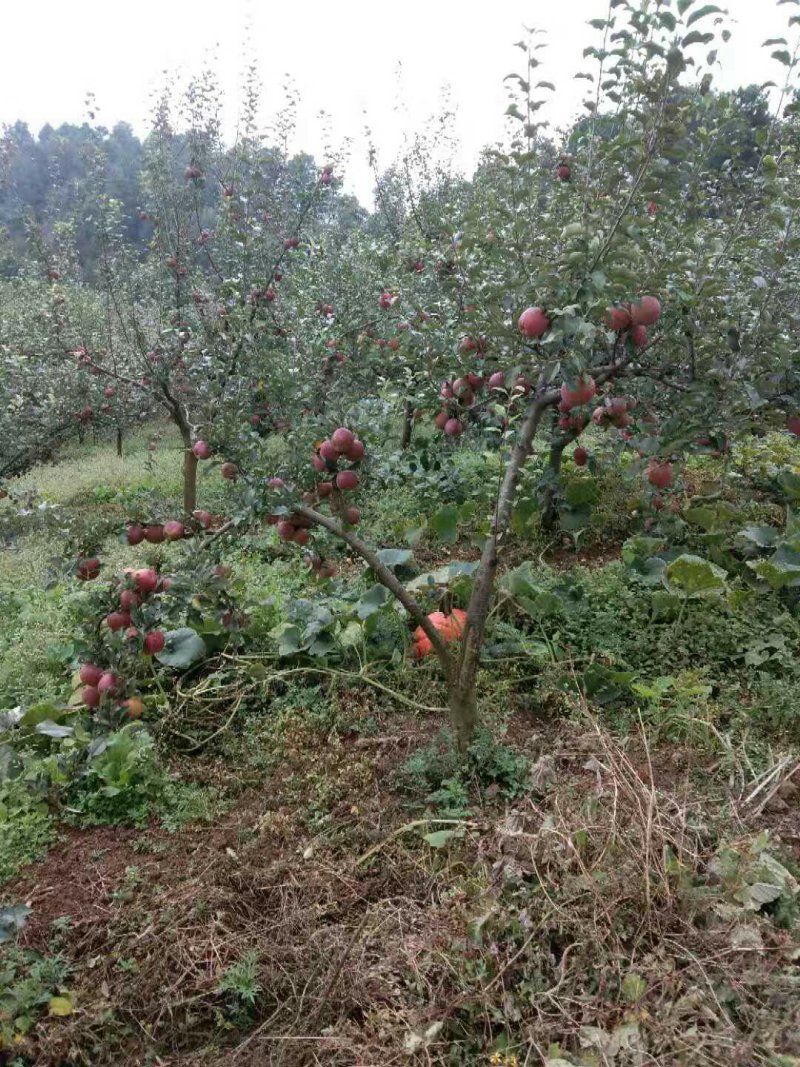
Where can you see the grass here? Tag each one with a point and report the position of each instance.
(591, 878)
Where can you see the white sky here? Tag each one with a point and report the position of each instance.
(343, 56)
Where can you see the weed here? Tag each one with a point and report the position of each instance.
(239, 986)
(25, 828)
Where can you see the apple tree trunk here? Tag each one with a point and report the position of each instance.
(408, 425)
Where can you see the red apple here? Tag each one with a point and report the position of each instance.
(202, 449)
(453, 428)
(203, 517)
(173, 530)
(580, 456)
(128, 600)
(619, 318)
(88, 569)
(108, 683)
(346, 480)
(91, 696)
(154, 642)
(497, 380)
(356, 451)
(583, 392)
(638, 335)
(352, 516)
(154, 534)
(342, 439)
(229, 471)
(647, 312)
(533, 322)
(145, 580)
(90, 675)
(660, 475)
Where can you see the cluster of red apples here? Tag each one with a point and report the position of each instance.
(99, 683)
(627, 321)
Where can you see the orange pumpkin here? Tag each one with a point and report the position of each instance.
(450, 627)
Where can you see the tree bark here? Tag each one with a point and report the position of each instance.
(408, 425)
(189, 479)
(119, 441)
(550, 490)
(462, 686)
(463, 707)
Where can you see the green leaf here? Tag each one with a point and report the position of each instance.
(696, 37)
(702, 12)
(10, 764)
(763, 536)
(395, 557)
(582, 491)
(445, 524)
(790, 484)
(776, 573)
(12, 920)
(289, 639)
(444, 575)
(372, 601)
(544, 605)
(696, 576)
(351, 635)
(633, 987)
(439, 838)
(53, 729)
(60, 1006)
(37, 713)
(182, 648)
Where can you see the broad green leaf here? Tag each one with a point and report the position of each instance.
(289, 639)
(544, 605)
(351, 635)
(443, 575)
(10, 764)
(763, 536)
(439, 838)
(395, 557)
(12, 920)
(372, 601)
(60, 1006)
(53, 729)
(696, 576)
(182, 648)
(444, 523)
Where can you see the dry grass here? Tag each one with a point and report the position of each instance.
(583, 916)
